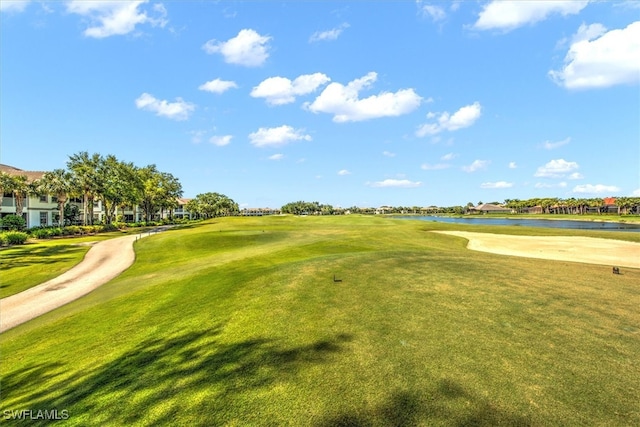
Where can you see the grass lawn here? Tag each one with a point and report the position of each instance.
(239, 322)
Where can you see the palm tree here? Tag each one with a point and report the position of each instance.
(21, 190)
(84, 169)
(58, 183)
(6, 185)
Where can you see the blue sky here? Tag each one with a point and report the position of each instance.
(362, 103)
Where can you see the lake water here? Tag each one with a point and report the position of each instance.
(545, 223)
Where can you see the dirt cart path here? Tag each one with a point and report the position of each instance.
(104, 261)
(562, 248)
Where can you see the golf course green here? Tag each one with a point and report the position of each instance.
(330, 321)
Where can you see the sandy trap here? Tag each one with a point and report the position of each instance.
(560, 248)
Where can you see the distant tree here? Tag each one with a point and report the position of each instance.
(210, 205)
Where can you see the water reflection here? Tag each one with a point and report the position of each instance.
(545, 223)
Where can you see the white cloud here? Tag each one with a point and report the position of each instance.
(576, 175)
(507, 15)
(344, 172)
(513, 165)
(556, 169)
(449, 156)
(343, 101)
(110, 18)
(276, 157)
(550, 145)
(220, 141)
(636, 193)
(395, 183)
(436, 13)
(280, 90)
(462, 118)
(13, 5)
(218, 86)
(332, 34)
(595, 189)
(178, 110)
(498, 184)
(248, 48)
(476, 166)
(388, 154)
(274, 137)
(438, 166)
(598, 59)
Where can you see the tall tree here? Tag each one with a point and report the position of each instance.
(58, 183)
(21, 189)
(6, 185)
(84, 169)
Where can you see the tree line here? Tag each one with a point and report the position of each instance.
(115, 183)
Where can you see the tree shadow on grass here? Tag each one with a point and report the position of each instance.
(38, 255)
(162, 377)
(408, 408)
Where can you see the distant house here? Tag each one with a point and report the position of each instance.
(486, 208)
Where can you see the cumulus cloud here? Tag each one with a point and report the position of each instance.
(557, 168)
(476, 166)
(276, 157)
(395, 183)
(551, 145)
(498, 184)
(218, 86)
(464, 117)
(576, 175)
(248, 48)
(278, 136)
(220, 141)
(346, 106)
(598, 59)
(328, 35)
(595, 189)
(344, 172)
(110, 18)
(507, 15)
(280, 90)
(13, 5)
(513, 165)
(178, 110)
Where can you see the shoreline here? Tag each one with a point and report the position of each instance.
(634, 220)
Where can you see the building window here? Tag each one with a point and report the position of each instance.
(44, 218)
(43, 198)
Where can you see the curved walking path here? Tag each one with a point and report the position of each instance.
(103, 262)
(588, 250)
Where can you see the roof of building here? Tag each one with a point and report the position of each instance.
(13, 171)
(490, 207)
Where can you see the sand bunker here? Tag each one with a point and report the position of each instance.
(561, 248)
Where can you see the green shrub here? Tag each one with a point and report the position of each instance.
(13, 222)
(108, 227)
(71, 230)
(16, 237)
(3, 239)
(41, 233)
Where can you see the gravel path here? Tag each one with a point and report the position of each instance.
(103, 262)
(562, 248)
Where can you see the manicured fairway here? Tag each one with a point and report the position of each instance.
(239, 322)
